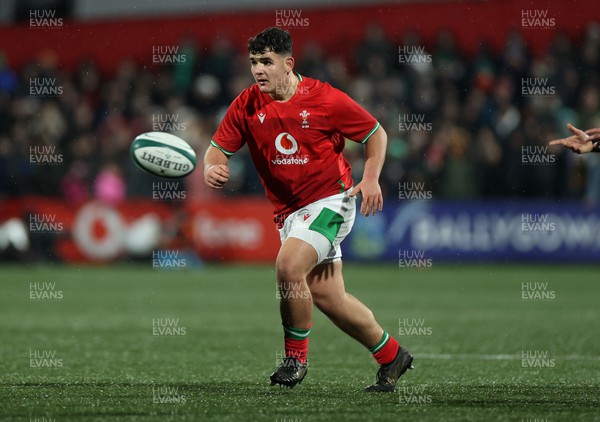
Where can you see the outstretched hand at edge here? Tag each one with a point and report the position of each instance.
(580, 142)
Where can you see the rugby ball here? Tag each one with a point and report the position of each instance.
(163, 154)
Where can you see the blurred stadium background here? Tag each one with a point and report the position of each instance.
(469, 93)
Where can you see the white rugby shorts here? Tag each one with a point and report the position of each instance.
(323, 225)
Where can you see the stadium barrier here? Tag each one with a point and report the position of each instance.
(420, 233)
(223, 230)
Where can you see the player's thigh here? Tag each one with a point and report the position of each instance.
(296, 258)
(326, 283)
(323, 225)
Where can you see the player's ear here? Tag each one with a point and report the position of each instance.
(289, 64)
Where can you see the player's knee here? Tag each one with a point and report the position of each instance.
(289, 268)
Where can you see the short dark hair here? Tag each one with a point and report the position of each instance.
(271, 39)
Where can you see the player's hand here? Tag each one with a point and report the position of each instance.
(580, 142)
(216, 175)
(372, 199)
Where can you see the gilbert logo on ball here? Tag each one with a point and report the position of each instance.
(163, 154)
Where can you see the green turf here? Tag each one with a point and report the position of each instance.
(468, 362)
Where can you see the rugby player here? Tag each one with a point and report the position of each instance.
(295, 128)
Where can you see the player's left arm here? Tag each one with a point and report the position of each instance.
(368, 187)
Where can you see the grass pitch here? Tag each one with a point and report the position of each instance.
(133, 343)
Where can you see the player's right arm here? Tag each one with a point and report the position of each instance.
(226, 141)
(580, 142)
(216, 172)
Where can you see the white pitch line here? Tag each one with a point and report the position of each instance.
(448, 356)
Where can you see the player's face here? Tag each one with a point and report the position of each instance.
(269, 70)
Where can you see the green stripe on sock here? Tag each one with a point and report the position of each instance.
(296, 333)
(382, 342)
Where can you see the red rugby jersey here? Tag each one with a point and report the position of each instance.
(296, 145)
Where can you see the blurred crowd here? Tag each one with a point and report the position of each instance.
(460, 127)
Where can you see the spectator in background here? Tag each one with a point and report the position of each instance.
(489, 158)
(74, 185)
(375, 46)
(8, 78)
(458, 177)
(447, 60)
(109, 186)
(184, 73)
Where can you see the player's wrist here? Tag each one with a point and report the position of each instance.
(372, 172)
(370, 178)
(208, 167)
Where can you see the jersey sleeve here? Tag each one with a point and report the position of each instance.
(229, 135)
(349, 118)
